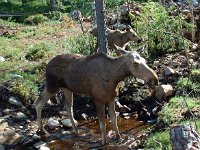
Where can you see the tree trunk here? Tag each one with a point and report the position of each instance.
(184, 137)
(101, 26)
(53, 5)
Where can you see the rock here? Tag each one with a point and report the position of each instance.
(163, 91)
(53, 123)
(76, 15)
(156, 63)
(140, 81)
(9, 132)
(16, 76)
(2, 147)
(169, 71)
(44, 148)
(3, 126)
(67, 122)
(20, 116)
(1, 120)
(39, 144)
(7, 111)
(12, 100)
(36, 137)
(2, 59)
(153, 121)
(84, 116)
(184, 137)
(175, 64)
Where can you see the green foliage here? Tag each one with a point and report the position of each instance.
(83, 44)
(196, 75)
(159, 137)
(32, 6)
(188, 84)
(36, 19)
(25, 87)
(38, 51)
(161, 140)
(160, 31)
(171, 112)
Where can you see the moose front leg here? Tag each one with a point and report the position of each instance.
(101, 117)
(113, 117)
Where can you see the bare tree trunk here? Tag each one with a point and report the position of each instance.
(184, 137)
(101, 26)
(53, 5)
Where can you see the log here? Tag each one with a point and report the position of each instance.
(184, 137)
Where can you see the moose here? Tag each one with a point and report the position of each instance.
(96, 75)
(119, 38)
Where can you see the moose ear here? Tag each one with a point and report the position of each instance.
(121, 50)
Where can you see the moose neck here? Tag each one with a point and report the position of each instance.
(120, 71)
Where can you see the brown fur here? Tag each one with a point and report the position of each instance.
(98, 76)
(119, 38)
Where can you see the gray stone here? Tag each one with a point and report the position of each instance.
(2, 59)
(1, 120)
(53, 123)
(12, 100)
(175, 64)
(16, 76)
(44, 148)
(84, 116)
(9, 132)
(39, 144)
(67, 123)
(36, 137)
(169, 71)
(20, 116)
(7, 111)
(2, 147)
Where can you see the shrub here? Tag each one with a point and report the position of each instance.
(36, 19)
(159, 141)
(83, 44)
(188, 85)
(196, 75)
(25, 88)
(38, 51)
(160, 31)
(171, 112)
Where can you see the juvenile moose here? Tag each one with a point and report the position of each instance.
(119, 38)
(96, 75)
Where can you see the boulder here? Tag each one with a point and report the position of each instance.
(12, 100)
(53, 123)
(44, 148)
(20, 116)
(67, 122)
(163, 91)
(2, 59)
(39, 144)
(169, 71)
(2, 147)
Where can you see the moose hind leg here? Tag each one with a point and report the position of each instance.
(101, 117)
(69, 106)
(113, 117)
(39, 103)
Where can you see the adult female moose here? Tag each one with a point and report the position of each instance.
(97, 75)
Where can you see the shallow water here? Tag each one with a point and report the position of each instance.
(90, 136)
